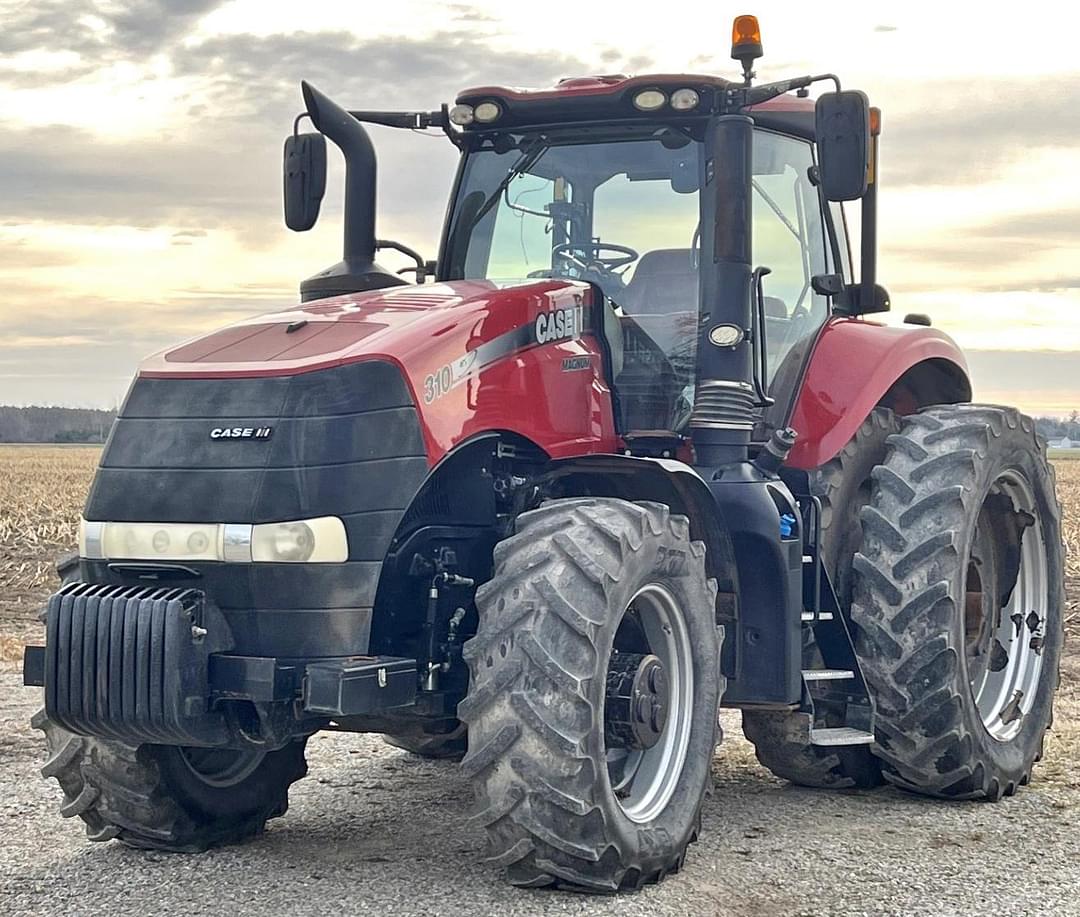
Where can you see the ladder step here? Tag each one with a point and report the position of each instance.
(827, 674)
(841, 735)
(822, 616)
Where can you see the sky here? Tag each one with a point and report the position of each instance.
(140, 145)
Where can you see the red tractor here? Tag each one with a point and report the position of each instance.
(637, 454)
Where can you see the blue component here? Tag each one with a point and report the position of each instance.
(787, 525)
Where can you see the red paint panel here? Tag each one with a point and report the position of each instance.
(203, 348)
(853, 365)
(423, 330)
(328, 338)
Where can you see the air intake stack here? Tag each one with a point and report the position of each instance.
(724, 401)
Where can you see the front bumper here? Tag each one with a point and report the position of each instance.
(153, 665)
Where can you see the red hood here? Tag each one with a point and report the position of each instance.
(398, 323)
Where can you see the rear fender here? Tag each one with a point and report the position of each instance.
(858, 365)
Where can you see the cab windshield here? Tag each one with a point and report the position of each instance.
(620, 208)
(605, 209)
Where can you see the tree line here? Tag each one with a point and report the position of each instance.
(54, 425)
(1057, 427)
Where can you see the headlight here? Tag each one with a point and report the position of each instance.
(462, 115)
(321, 540)
(487, 112)
(684, 99)
(171, 541)
(649, 100)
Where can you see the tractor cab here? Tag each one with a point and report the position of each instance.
(620, 206)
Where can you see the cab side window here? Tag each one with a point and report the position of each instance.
(789, 239)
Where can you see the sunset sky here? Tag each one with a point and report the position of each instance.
(140, 158)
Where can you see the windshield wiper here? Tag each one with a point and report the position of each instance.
(525, 162)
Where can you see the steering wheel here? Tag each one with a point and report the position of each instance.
(624, 255)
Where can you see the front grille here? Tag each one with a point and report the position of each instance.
(346, 442)
(131, 664)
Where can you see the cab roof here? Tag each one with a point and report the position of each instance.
(609, 97)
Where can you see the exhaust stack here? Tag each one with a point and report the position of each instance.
(358, 270)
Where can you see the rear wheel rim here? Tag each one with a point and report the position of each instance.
(221, 767)
(1004, 644)
(644, 779)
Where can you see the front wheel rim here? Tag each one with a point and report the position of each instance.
(1004, 645)
(644, 779)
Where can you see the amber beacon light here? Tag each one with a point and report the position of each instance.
(746, 44)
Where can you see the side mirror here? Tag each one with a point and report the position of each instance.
(305, 179)
(842, 125)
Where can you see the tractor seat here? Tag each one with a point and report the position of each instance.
(665, 280)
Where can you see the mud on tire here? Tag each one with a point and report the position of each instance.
(535, 709)
(963, 514)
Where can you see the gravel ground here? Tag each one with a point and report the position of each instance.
(374, 830)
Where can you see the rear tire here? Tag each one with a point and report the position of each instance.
(843, 485)
(575, 592)
(958, 598)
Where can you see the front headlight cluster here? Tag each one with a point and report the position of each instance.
(655, 99)
(321, 540)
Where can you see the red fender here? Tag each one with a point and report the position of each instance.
(855, 366)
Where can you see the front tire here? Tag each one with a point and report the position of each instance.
(958, 598)
(168, 798)
(164, 797)
(585, 596)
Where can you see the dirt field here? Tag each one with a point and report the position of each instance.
(387, 833)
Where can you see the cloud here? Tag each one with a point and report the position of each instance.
(224, 170)
(462, 12)
(99, 33)
(1014, 243)
(885, 28)
(963, 132)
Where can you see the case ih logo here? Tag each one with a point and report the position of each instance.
(559, 324)
(241, 432)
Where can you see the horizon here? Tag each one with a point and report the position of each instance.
(142, 146)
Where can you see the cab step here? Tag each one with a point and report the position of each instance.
(827, 674)
(808, 616)
(840, 735)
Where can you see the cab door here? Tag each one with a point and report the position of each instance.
(790, 239)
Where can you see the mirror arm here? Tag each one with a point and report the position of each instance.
(745, 97)
(413, 121)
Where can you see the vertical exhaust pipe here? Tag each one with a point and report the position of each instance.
(357, 271)
(724, 400)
